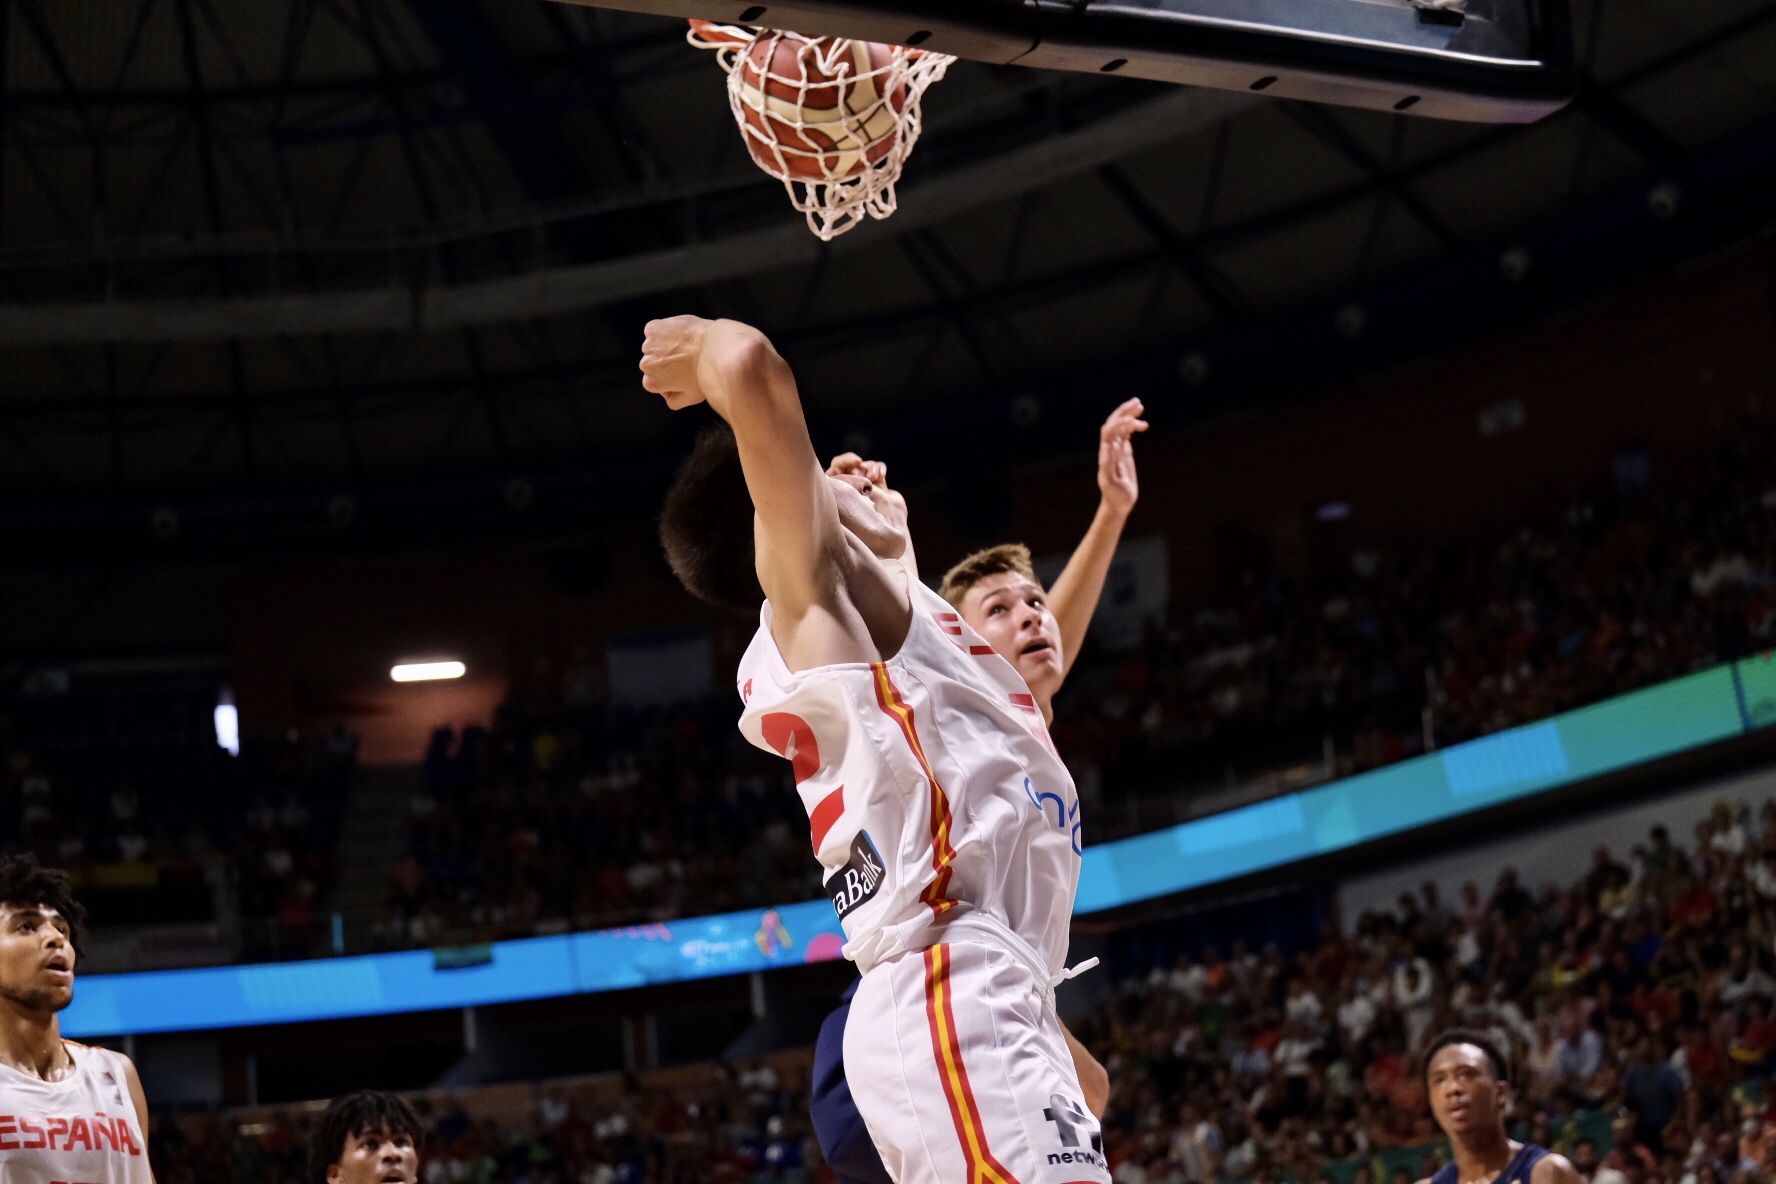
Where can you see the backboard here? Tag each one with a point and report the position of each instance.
(1495, 61)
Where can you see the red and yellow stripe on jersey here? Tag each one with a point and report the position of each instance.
(889, 698)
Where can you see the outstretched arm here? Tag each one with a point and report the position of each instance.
(1074, 597)
(734, 368)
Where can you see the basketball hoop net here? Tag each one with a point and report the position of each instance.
(833, 119)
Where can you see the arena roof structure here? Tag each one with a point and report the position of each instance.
(278, 264)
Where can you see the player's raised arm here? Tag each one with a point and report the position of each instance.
(734, 368)
(752, 515)
(1074, 597)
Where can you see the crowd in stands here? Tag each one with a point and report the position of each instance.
(572, 812)
(169, 832)
(1634, 1003)
(1620, 590)
(522, 826)
(721, 1124)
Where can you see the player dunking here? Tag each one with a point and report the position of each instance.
(998, 595)
(1469, 1083)
(67, 1111)
(948, 826)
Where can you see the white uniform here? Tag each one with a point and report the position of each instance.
(949, 832)
(81, 1129)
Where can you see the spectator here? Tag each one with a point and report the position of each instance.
(1412, 988)
(1584, 1158)
(1755, 1045)
(1743, 979)
(1356, 1015)
(1302, 1005)
(1652, 1090)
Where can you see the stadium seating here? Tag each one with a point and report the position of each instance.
(224, 858)
(1635, 1002)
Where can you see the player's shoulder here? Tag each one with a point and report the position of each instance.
(94, 1051)
(1553, 1168)
(87, 1052)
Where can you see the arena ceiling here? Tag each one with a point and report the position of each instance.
(283, 262)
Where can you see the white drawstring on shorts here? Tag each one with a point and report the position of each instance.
(1071, 973)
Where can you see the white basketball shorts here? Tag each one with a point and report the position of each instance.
(957, 1063)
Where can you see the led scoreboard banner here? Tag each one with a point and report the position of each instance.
(1492, 61)
(1670, 718)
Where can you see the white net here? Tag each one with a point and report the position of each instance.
(833, 119)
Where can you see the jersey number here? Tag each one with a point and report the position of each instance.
(791, 738)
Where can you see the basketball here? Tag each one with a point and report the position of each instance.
(819, 109)
(833, 118)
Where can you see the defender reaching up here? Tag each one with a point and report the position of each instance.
(948, 827)
(1040, 633)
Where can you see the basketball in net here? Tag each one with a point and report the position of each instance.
(832, 118)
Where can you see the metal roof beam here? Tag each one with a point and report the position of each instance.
(539, 156)
(640, 158)
(1171, 116)
(260, 93)
(58, 66)
(1216, 290)
(1635, 131)
(385, 73)
(913, 247)
(1747, 23)
(1322, 126)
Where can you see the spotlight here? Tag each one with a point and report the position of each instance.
(427, 671)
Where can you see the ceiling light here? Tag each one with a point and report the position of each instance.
(426, 671)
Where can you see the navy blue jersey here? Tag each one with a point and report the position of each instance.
(844, 1140)
(1516, 1172)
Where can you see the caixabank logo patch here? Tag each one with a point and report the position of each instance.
(1081, 1140)
(858, 881)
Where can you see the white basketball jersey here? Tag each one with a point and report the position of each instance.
(82, 1129)
(932, 788)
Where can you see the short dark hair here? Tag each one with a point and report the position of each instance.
(706, 526)
(359, 1114)
(25, 883)
(1501, 1066)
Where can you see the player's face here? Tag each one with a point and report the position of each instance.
(874, 513)
(1011, 612)
(36, 957)
(376, 1157)
(1465, 1095)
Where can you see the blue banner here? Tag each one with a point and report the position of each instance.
(424, 980)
